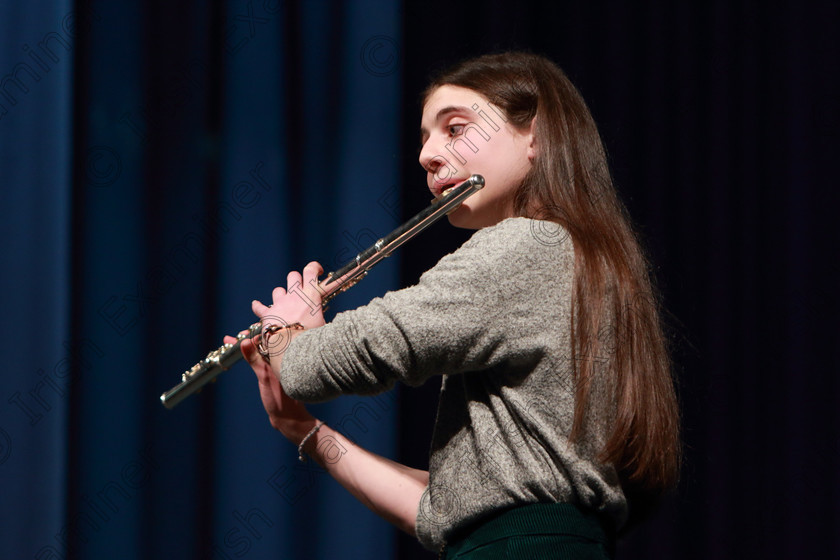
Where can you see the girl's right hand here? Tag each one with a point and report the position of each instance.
(288, 416)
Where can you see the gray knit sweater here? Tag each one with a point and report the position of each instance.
(493, 319)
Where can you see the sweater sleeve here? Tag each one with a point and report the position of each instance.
(447, 323)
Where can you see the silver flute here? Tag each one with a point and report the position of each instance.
(225, 356)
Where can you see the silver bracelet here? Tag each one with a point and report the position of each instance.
(301, 456)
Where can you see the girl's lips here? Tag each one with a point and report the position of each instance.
(439, 190)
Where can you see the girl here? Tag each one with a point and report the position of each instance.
(557, 413)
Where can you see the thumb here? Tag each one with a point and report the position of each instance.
(249, 351)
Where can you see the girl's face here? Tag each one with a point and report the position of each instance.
(463, 134)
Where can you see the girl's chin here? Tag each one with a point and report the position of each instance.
(462, 224)
(467, 218)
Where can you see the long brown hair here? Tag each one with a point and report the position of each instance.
(616, 307)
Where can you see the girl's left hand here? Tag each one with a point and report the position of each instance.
(299, 302)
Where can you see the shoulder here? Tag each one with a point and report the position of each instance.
(522, 240)
(508, 257)
(538, 232)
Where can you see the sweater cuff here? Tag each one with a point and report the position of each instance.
(422, 527)
(437, 512)
(296, 371)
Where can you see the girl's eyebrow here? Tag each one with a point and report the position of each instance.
(440, 115)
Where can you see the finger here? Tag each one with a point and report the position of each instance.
(259, 309)
(276, 392)
(277, 294)
(268, 394)
(229, 339)
(294, 280)
(265, 379)
(271, 314)
(249, 351)
(311, 272)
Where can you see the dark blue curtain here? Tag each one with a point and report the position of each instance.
(163, 164)
(36, 199)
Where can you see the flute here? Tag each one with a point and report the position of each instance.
(225, 356)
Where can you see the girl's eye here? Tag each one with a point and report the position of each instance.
(456, 129)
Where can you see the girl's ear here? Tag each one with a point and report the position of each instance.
(532, 140)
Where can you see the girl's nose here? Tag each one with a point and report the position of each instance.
(427, 158)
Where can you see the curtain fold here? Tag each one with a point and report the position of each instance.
(36, 82)
(170, 165)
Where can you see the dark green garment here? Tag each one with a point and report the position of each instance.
(535, 532)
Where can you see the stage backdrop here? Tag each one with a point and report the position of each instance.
(163, 164)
